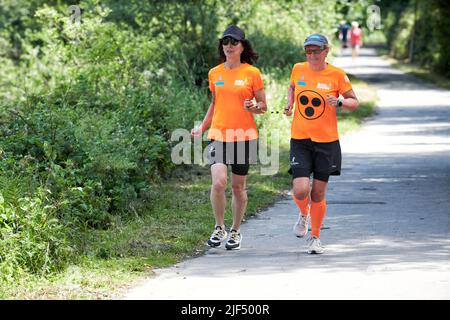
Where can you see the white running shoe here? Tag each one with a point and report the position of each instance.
(315, 247)
(217, 237)
(301, 226)
(234, 242)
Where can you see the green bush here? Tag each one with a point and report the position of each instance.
(31, 237)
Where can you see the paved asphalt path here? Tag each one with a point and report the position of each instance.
(387, 228)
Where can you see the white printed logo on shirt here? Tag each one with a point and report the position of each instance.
(324, 86)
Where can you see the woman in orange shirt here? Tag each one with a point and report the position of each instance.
(233, 134)
(315, 90)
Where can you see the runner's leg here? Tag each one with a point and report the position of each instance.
(300, 194)
(318, 206)
(219, 184)
(239, 199)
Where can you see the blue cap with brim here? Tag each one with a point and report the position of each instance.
(316, 40)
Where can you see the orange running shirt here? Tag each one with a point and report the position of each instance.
(314, 118)
(231, 87)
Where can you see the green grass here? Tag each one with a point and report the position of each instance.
(175, 224)
(174, 228)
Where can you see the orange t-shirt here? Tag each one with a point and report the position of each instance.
(231, 122)
(314, 118)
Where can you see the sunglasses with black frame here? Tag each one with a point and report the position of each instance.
(227, 40)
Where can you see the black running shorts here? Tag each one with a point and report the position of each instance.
(237, 154)
(317, 158)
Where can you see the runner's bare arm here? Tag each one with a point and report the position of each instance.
(260, 107)
(350, 102)
(260, 97)
(206, 120)
(290, 101)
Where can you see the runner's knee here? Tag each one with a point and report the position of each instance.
(317, 195)
(300, 193)
(238, 187)
(219, 184)
(239, 191)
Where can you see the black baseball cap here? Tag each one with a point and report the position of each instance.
(234, 32)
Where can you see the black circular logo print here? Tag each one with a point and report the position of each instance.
(311, 104)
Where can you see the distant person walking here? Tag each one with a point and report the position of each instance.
(233, 134)
(314, 97)
(356, 36)
(344, 28)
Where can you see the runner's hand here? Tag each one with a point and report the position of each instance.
(288, 110)
(196, 132)
(332, 100)
(251, 107)
(248, 104)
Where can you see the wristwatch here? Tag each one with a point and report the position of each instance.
(339, 103)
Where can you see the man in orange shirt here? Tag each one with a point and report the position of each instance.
(314, 95)
(233, 133)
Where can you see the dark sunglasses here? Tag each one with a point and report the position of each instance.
(227, 40)
(315, 52)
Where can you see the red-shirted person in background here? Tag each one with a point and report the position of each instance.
(314, 95)
(233, 134)
(356, 35)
